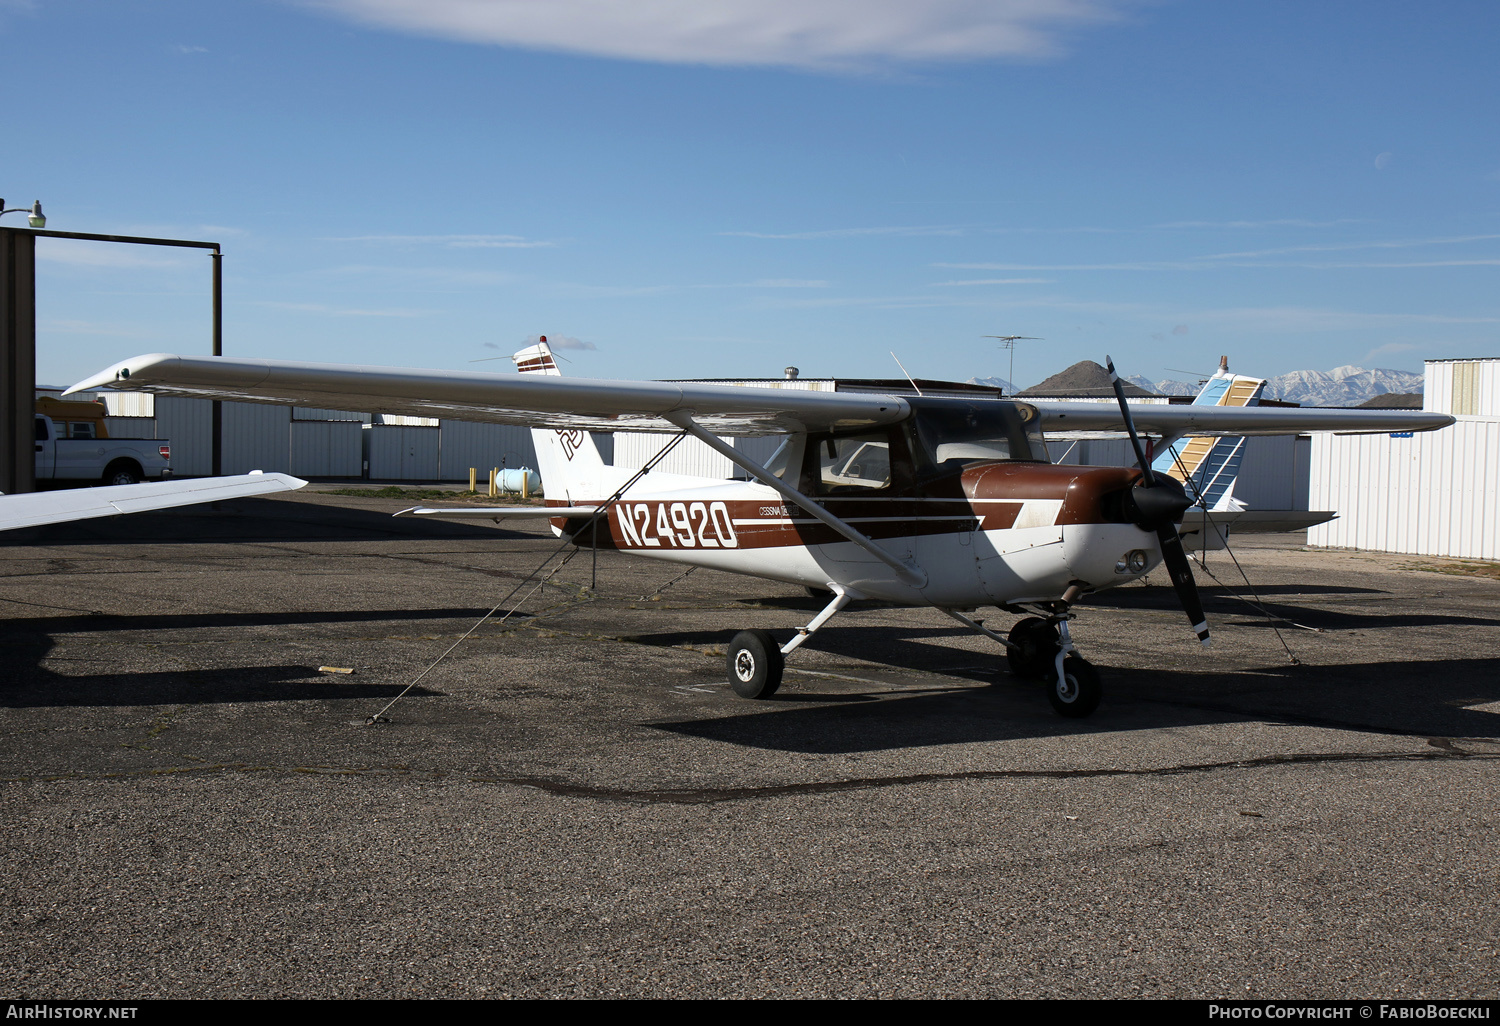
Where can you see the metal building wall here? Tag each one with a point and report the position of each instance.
(130, 427)
(1463, 387)
(1432, 494)
(188, 425)
(327, 448)
(1436, 493)
(255, 437)
(128, 404)
(1274, 472)
(464, 444)
(301, 413)
(396, 452)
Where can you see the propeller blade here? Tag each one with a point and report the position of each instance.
(1181, 573)
(1149, 479)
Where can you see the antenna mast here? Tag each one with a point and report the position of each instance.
(1008, 342)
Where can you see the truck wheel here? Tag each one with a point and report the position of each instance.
(122, 472)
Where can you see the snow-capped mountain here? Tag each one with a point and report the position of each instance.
(1342, 386)
(999, 383)
(1167, 386)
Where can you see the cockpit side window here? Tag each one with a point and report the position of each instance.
(868, 462)
(950, 435)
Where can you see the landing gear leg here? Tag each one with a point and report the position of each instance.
(1074, 689)
(755, 663)
(1042, 648)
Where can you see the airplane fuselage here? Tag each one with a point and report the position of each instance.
(996, 533)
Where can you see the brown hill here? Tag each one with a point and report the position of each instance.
(1085, 379)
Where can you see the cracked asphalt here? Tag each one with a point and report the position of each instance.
(573, 803)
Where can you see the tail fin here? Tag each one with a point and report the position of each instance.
(1213, 463)
(567, 459)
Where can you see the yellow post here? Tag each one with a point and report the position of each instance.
(525, 484)
(494, 488)
(472, 472)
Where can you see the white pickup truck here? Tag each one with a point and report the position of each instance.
(79, 449)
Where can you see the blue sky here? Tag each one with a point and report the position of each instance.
(699, 189)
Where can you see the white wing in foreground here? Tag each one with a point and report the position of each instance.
(36, 508)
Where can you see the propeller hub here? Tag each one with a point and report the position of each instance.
(1163, 502)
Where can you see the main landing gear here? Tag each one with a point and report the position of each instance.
(754, 661)
(1038, 648)
(1042, 649)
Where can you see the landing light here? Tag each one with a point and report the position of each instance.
(1133, 562)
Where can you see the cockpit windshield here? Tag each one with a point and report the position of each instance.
(954, 432)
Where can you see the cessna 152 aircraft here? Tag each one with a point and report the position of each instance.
(920, 501)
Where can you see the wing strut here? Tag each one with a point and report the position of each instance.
(907, 572)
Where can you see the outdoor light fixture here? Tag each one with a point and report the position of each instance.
(35, 217)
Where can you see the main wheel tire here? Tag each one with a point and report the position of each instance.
(1079, 691)
(755, 663)
(122, 472)
(1036, 642)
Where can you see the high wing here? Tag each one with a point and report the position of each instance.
(500, 398)
(544, 401)
(36, 508)
(1084, 419)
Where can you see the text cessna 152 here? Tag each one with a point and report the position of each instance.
(920, 501)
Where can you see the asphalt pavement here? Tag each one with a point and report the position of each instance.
(572, 803)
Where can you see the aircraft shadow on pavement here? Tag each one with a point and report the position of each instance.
(25, 644)
(250, 520)
(1406, 698)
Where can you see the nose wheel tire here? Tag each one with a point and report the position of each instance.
(755, 663)
(1078, 693)
(1036, 642)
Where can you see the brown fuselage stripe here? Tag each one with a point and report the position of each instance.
(986, 497)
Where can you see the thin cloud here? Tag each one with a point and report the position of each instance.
(452, 241)
(1346, 246)
(853, 233)
(1154, 265)
(1390, 347)
(77, 253)
(335, 311)
(813, 34)
(998, 281)
(1281, 222)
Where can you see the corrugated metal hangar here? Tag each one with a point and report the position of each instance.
(318, 443)
(1433, 493)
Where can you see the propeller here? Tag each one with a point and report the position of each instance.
(1157, 504)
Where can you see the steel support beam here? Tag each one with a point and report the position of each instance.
(17, 361)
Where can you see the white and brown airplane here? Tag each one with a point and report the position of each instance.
(921, 501)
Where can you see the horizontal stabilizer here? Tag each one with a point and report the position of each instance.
(497, 512)
(1256, 521)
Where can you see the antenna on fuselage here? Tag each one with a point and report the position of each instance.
(905, 371)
